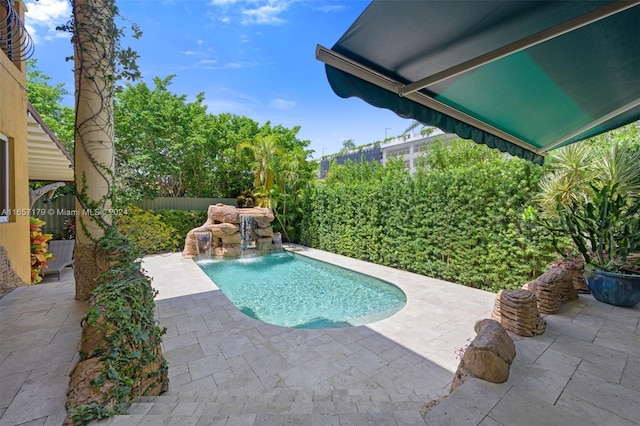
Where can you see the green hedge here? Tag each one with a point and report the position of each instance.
(463, 223)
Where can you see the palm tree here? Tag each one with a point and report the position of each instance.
(264, 150)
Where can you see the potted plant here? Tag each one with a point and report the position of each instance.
(599, 213)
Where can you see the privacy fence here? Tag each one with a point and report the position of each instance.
(63, 209)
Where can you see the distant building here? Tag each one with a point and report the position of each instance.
(407, 147)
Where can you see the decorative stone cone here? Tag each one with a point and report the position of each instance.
(553, 289)
(517, 311)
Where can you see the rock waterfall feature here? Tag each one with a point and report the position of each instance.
(231, 232)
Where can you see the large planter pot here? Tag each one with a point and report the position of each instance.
(614, 289)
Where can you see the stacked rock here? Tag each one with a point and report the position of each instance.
(575, 267)
(517, 311)
(553, 289)
(224, 231)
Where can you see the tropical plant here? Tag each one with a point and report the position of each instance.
(604, 228)
(245, 199)
(596, 199)
(263, 150)
(567, 182)
(293, 178)
(39, 249)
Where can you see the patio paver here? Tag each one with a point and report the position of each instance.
(229, 369)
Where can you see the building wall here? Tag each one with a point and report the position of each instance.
(410, 147)
(14, 235)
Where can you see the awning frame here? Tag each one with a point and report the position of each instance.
(522, 44)
(367, 74)
(416, 89)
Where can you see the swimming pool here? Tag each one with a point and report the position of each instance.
(292, 290)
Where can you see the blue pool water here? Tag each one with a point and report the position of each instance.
(291, 290)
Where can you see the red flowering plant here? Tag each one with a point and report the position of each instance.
(39, 249)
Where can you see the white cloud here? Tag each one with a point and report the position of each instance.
(251, 12)
(45, 15)
(223, 2)
(265, 14)
(282, 104)
(331, 8)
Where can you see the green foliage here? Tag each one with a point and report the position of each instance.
(181, 222)
(47, 100)
(462, 218)
(605, 229)
(245, 199)
(148, 231)
(122, 309)
(282, 176)
(166, 146)
(598, 202)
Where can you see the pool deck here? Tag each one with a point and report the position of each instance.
(226, 368)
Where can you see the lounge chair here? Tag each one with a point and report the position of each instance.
(62, 251)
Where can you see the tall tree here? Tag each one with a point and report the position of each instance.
(99, 61)
(94, 154)
(164, 144)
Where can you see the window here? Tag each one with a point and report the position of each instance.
(4, 179)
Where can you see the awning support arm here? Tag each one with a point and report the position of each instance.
(532, 40)
(624, 108)
(365, 73)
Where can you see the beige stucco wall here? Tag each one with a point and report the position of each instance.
(14, 235)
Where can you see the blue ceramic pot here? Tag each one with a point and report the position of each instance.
(614, 289)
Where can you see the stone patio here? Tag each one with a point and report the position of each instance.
(229, 369)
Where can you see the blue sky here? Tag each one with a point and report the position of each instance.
(250, 57)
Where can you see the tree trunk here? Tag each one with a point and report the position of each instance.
(94, 149)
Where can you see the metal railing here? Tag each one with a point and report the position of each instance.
(15, 41)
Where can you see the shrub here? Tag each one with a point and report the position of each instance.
(39, 249)
(182, 221)
(148, 231)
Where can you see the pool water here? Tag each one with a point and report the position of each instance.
(291, 290)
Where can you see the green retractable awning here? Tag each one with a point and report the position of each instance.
(521, 76)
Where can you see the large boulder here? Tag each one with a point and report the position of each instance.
(488, 356)
(221, 213)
